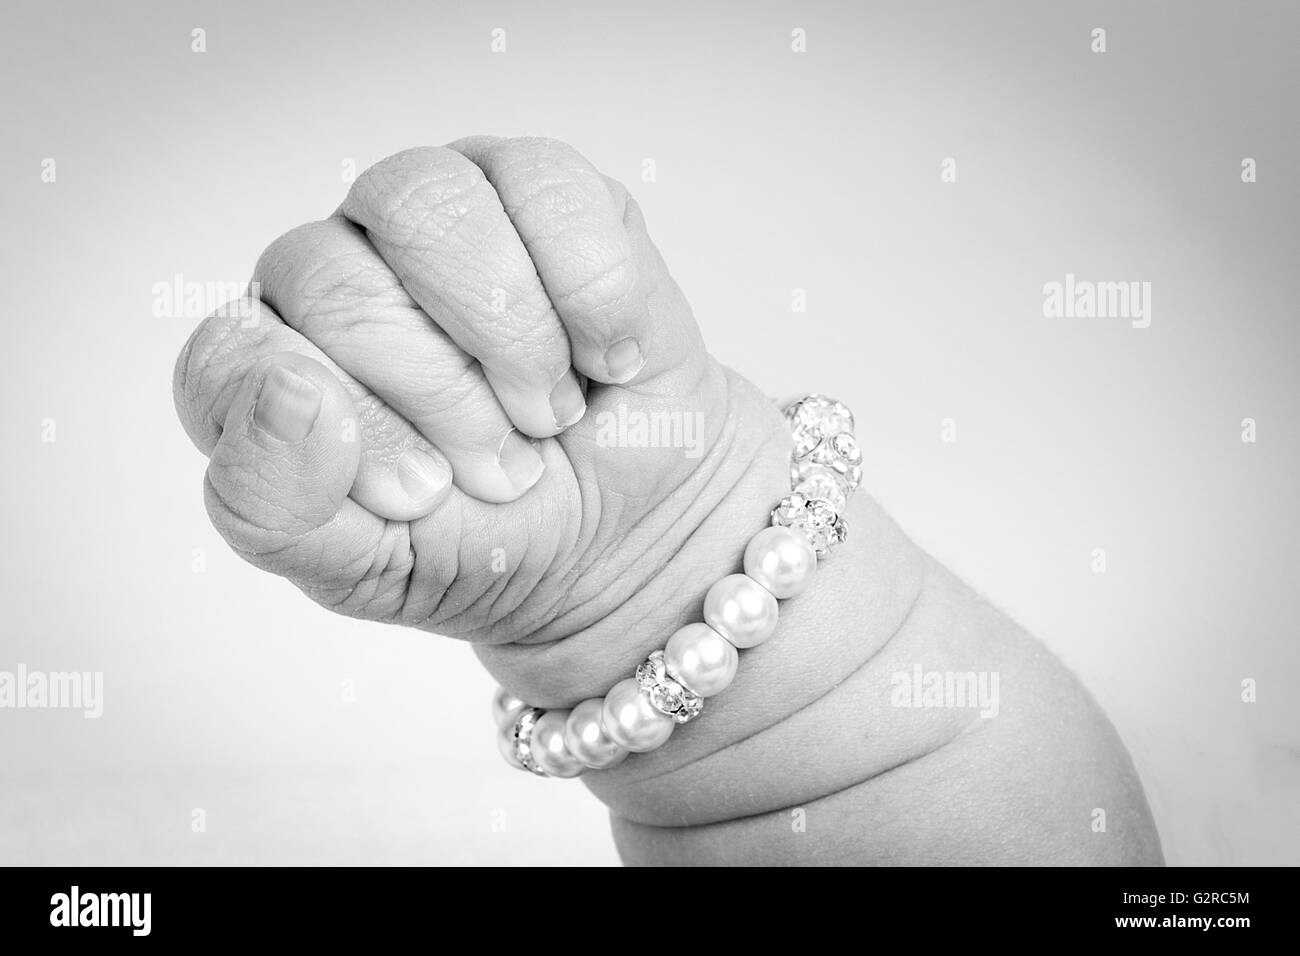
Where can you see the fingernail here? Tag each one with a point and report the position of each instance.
(566, 401)
(520, 461)
(623, 360)
(287, 405)
(422, 476)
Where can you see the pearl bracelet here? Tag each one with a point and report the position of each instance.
(700, 660)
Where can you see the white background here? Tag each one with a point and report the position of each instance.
(775, 171)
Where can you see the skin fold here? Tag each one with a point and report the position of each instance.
(388, 426)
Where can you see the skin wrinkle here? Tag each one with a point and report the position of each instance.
(891, 592)
(973, 725)
(522, 333)
(492, 618)
(633, 587)
(915, 758)
(604, 661)
(405, 613)
(590, 505)
(456, 383)
(356, 573)
(382, 566)
(208, 354)
(338, 297)
(250, 555)
(431, 620)
(390, 216)
(558, 184)
(313, 541)
(608, 304)
(987, 752)
(469, 605)
(525, 157)
(387, 210)
(673, 529)
(980, 815)
(667, 532)
(271, 291)
(563, 590)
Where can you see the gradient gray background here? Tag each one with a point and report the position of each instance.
(775, 171)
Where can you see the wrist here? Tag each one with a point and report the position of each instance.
(635, 592)
(736, 758)
(859, 597)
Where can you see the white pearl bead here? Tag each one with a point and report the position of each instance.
(506, 743)
(781, 560)
(631, 721)
(741, 610)
(586, 738)
(702, 659)
(548, 748)
(505, 705)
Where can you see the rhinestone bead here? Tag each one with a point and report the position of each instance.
(838, 454)
(817, 481)
(814, 418)
(815, 518)
(667, 695)
(515, 737)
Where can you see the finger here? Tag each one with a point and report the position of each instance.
(277, 491)
(281, 471)
(624, 315)
(400, 475)
(439, 225)
(328, 283)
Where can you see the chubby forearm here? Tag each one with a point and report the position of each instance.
(896, 717)
(367, 421)
(850, 713)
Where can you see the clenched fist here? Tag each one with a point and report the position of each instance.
(420, 417)
(400, 427)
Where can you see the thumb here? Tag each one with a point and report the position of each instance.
(278, 479)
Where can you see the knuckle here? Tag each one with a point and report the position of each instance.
(378, 425)
(263, 506)
(241, 510)
(416, 193)
(571, 220)
(373, 585)
(466, 398)
(516, 160)
(620, 194)
(593, 275)
(325, 268)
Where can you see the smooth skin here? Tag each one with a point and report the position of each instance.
(407, 426)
